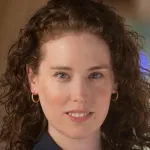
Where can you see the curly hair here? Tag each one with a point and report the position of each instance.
(126, 125)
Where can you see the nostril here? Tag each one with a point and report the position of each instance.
(80, 99)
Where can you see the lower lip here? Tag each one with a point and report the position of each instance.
(80, 119)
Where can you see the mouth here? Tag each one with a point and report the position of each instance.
(79, 116)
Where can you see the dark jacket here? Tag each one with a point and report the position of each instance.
(46, 143)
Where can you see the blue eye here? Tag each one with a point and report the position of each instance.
(61, 75)
(95, 75)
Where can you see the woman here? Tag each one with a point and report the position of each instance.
(73, 82)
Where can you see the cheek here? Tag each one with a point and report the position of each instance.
(103, 100)
(103, 92)
(52, 99)
(49, 91)
(52, 105)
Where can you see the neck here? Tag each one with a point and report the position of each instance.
(92, 142)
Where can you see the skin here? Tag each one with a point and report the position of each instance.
(75, 73)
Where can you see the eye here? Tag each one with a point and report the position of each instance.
(95, 75)
(61, 75)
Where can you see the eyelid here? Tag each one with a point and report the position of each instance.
(68, 76)
(96, 72)
(60, 72)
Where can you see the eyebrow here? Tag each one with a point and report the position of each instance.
(89, 69)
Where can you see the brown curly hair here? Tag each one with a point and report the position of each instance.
(126, 125)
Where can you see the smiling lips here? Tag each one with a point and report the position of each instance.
(79, 115)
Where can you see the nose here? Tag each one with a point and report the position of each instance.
(79, 91)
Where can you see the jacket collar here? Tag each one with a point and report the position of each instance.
(46, 142)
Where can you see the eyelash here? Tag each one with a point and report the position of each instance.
(100, 75)
(57, 74)
(60, 73)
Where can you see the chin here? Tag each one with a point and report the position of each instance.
(80, 134)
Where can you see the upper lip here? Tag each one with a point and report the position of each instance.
(78, 111)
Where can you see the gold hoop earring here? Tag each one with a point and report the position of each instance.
(35, 98)
(116, 98)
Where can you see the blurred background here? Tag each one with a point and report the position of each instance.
(15, 13)
(137, 14)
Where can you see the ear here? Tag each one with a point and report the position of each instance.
(32, 79)
(115, 88)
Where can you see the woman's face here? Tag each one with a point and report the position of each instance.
(75, 76)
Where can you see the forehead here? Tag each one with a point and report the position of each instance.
(76, 48)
